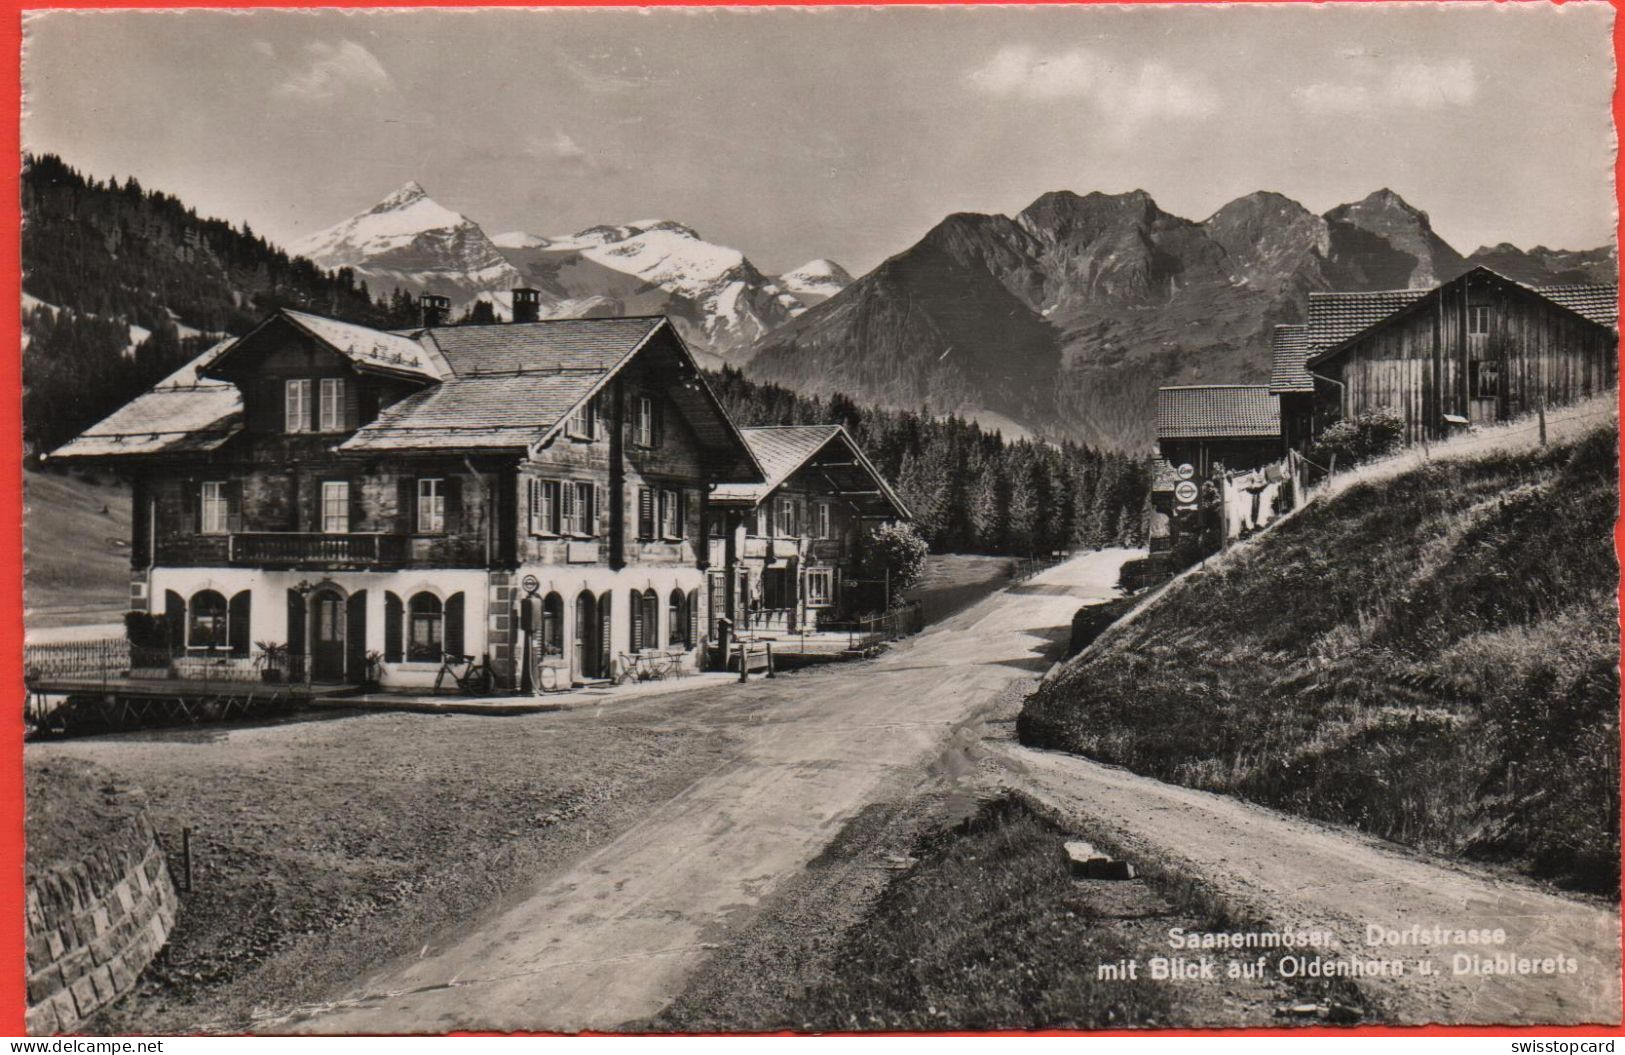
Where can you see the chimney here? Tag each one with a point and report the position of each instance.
(527, 305)
(435, 308)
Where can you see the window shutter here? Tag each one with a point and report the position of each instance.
(600, 512)
(357, 512)
(351, 419)
(646, 514)
(392, 628)
(296, 623)
(693, 637)
(406, 490)
(234, 506)
(606, 615)
(454, 625)
(533, 503)
(637, 621)
(682, 514)
(454, 503)
(240, 621)
(657, 422)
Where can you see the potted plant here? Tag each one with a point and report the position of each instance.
(375, 667)
(272, 661)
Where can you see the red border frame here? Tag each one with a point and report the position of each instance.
(13, 994)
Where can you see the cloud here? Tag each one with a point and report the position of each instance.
(1127, 94)
(559, 150)
(330, 70)
(1378, 87)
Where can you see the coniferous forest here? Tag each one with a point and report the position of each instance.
(971, 490)
(104, 255)
(100, 256)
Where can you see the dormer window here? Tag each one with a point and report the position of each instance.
(582, 423)
(297, 405)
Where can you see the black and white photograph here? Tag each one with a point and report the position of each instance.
(820, 520)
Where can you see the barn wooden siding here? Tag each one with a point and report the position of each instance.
(1417, 364)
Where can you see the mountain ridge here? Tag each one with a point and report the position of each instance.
(1106, 297)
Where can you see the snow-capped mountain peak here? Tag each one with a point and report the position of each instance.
(815, 281)
(411, 241)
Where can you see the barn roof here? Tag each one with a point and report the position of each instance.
(1217, 412)
(783, 450)
(1333, 316)
(182, 413)
(1288, 372)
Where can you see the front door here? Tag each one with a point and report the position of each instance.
(585, 643)
(327, 636)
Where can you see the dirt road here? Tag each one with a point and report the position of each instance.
(1296, 873)
(611, 938)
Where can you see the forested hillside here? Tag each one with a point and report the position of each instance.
(969, 489)
(104, 255)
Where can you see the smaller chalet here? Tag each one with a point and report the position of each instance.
(793, 538)
(1236, 426)
(1479, 348)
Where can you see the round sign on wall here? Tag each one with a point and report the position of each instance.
(1185, 492)
(1186, 471)
(530, 583)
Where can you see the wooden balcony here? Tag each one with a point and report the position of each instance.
(302, 550)
(286, 549)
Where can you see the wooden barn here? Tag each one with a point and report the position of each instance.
(1479, 348)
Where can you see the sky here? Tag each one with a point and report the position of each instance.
(843, 133)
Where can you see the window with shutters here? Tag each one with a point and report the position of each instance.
(579, 509)
(821, 511)
(671, 514)
(296, 405)
(335, 507)
(431, 505)
(820, 586)
(216, 508)
(206, 623)
(544, 507)
(425, 629)
(643, 422)
(331, 413)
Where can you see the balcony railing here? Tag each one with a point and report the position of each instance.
(299, 548)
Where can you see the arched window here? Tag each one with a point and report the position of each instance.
(676, 620)
(425, 638)
(553, 625)
(206, 620)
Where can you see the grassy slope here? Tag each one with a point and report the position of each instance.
(78, 560)
(1432, 658)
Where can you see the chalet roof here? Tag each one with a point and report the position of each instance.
(184, 412)
(369, 348)
(1288, 372)
(553, 344)
(493, 411)
(1217, 412)
(782, 451)
(1336, 319)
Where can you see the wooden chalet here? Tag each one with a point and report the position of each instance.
(376, 502)
(1479, 348)
(791, 540)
